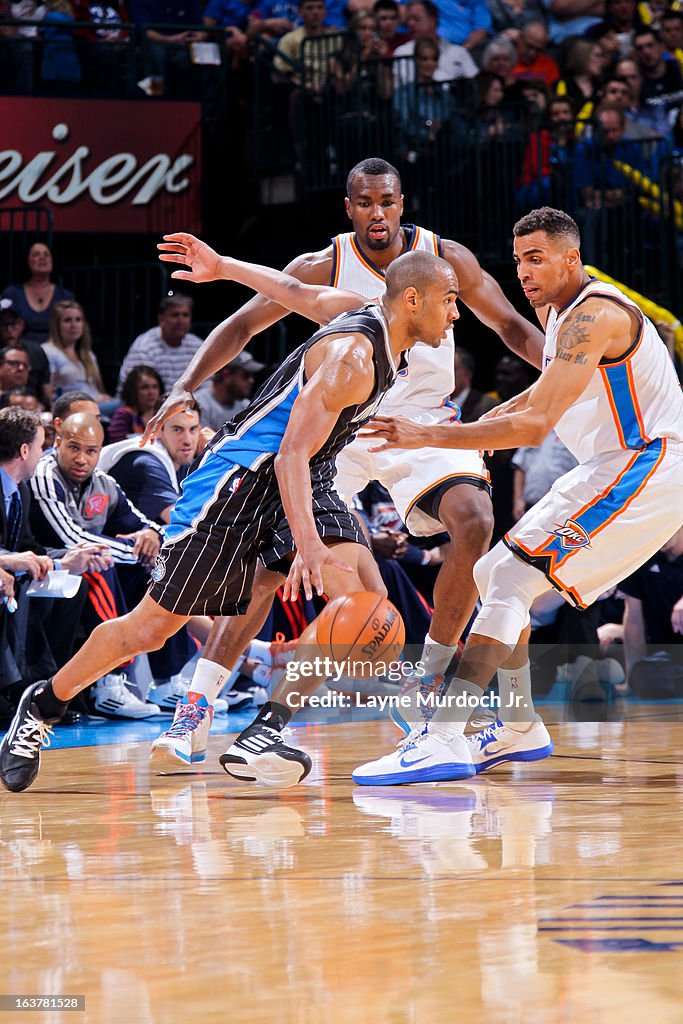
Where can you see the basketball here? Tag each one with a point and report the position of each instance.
(361, 629)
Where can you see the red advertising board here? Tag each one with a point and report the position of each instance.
(103, 165)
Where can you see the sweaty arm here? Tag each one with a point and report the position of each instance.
(593, 329)
(485, 298)
(341, 374)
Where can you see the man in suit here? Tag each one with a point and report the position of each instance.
(33, 633)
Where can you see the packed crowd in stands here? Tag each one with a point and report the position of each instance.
(85, 503)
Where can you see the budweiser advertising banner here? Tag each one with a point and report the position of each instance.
(103, 165)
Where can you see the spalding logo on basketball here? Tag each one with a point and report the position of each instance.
(362, 629)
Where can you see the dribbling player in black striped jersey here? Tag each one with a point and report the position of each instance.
(263, 486)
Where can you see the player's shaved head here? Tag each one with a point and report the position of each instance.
(83, 425)
(421, 271)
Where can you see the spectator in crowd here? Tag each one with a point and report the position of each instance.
(16, 47)
(12, 336)
(22, 398)
(75, 502)
(547, 178)
(107, 43)
(572, 17)
(291, 46)
(73, 364)
(510, 16)
(653, 623)
(472, 403)
(677, 132)
(423, 107)
(231, 390)
(33, 300)
(388, 24)
(169, 347)
(652, 119)
(622, 16)
(532, 60)
(465, 24)
(141, 392)
(39, 636)
(536, 470)
(499, 58)
(491, 118)
(606, 38)
(422, 20)
(150, 477)
(357, 63)
(585, 65)
(60, 63)
(14, 371)
(671, 35)
(169, 58)
(660, 77)
(600, 183)
(616, 91)
(236, 19)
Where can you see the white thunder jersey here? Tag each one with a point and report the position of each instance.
(629, 401)
(429, 379)
(421, 392)
(614, 510)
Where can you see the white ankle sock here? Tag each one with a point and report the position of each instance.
(514, 685)
(450, 719)
(436, 657)
(207, 680)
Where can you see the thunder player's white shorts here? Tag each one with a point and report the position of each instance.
(603, 519)
(409, 475)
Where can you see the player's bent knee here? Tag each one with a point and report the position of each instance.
(510, 587)
(484, 566)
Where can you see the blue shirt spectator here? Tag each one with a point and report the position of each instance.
(166, 12)
(465, 22)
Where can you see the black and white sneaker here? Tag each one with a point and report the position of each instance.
(260, 754)
(20, 750)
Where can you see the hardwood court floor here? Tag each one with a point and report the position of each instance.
(547, 894)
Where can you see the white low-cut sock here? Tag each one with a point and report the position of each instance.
(436, 657)
(516, 702)
(455, 707)
(207, 680)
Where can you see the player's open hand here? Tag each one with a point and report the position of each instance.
(395, 432)
(306, 571)
(202, 263)
(178, 400)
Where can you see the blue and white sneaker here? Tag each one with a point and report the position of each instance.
(419, 712)
(184, 744)
(423, 756)
(501, 743)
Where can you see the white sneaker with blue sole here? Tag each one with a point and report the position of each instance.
(423, 756)
(501, 743)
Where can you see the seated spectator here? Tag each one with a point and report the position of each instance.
(572, 17)
(467, 24)
(168, 54)
(74, 503)
(14, 371)
(653, 623)
(499, 58)
(600, 183)
(38, 638)
(661, 78)
(623, 17)
(585, 65)
(606, 38)
(61, 64)
(107, 44)
(22, 398)
(491, 119)
(33, 300)
(150, 477)
(73, 364)
(422, 20)
(423, 107)
(510, 16)
(472, 403)
(357, 72)
(12, 336)
(640, 117)
(169, 347)
(236, 18)
(231, 390)
(671, 36)
(141, 392)
(547, 172)
(532, 60)
(388, 18)
(616, 91)
(17, 46)
(291, 46)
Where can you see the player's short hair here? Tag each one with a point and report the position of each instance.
(17, 427)
(417, 269)
(62, 406)
(554, 223)
(373, 167)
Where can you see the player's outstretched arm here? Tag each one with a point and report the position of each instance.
(340, 376)
(319, 303)
(585, 337)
